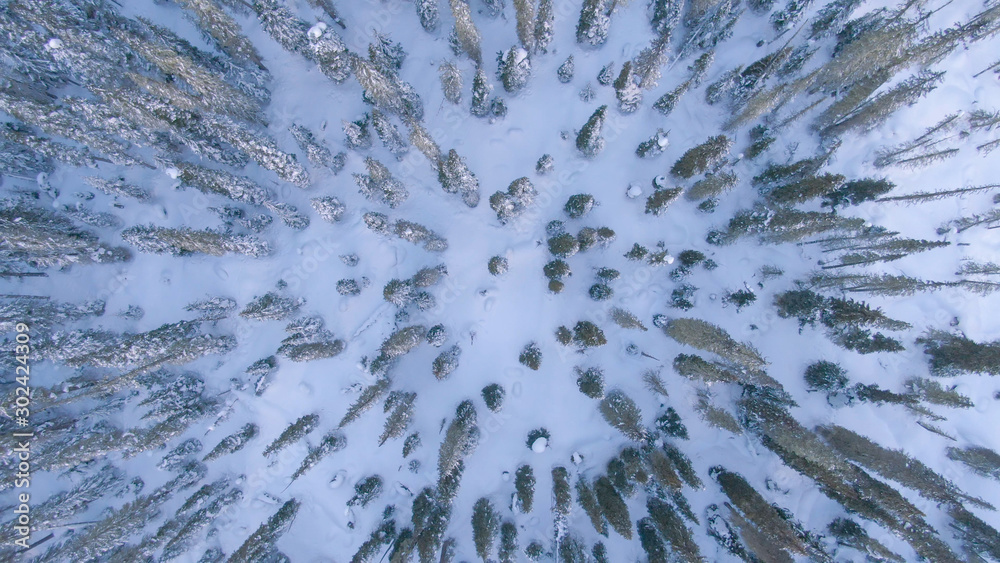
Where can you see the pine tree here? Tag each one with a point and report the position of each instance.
(389, 135)
(366, 400)
(589, 140)
(366, 491)
(332, 442)
(293, 433)
(513, 69)
(613, 507)
(508, 543)
(401, 405)
(460, 440)
(451, 82)
(982, 461)
(566, 70)
(359, 137)
(456, 178)
(446, 362)
(627, 89)
(592, 29)
(224, 30)
(387, 93)
(620, 411)
(664, 16)
(466, 31)
(485, 527)
(329, 208)
(544, 23)
(874, 112)
(316, 151)
(711, 185)
(649, 61)
(524, 483)
(234, 442)
(261, 542)
(705, 336)
(849, 533)
(895, 465)
(515, 201)
(493, 395)
(588, 501)
(41, 238)
(271, 307)
(210, 181)
(481, 89)
(427, 11)
(380, 185)
(702, 157)
(951, 355)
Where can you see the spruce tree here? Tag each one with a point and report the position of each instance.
(589, 140)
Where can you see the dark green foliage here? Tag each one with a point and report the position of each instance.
(659, 200)
(849, 533)
(508, 543)
(556, 270)
(894, 465)
(857, 192)
(670, 424)
(535, 434)
(760, 140)
(411, 443)
(600, 292)
(493, 396)
(983, 461)
(524, 484)
(535, 551)
(531, 356)
(672, 529)
(332, 442)
(776, 174)
(234, 442)
(497, 265)
(562, 498)
(564, 336)
(876, 394)
(844, 319)
(485, 527)
(638, 252)
(572, 550)
(702, 157)
(608, 274)
(564, 245)
(805, 189)
(825, 376)
(588, 335)
(613, 507)
(741, 298)
(589, 140)
(683, 466)
(951, 355)
(650, 540)
(578, 205)
(620, 411)
(690, 258)
(261, 542)
(591, 382)
(365, 491)
(978, 536)
(588, 501)
(295, 432)
(680, 297)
